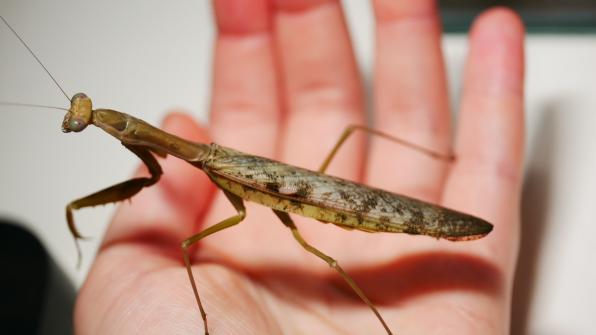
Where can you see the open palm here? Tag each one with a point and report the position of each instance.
(285, 86)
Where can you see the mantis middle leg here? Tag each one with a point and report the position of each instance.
(350, 129)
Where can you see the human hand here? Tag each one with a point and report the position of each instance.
(285, 86)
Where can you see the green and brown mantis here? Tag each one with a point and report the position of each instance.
(284, 188)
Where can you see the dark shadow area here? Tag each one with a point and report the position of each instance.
(391, 283)
(539, 16)
(37, 298)
(423, 273)
(402, 279)
(160, 242)
(535, 208)
(405, 278)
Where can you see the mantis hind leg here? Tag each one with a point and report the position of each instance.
(115, 193)
(350, 129)
(287, 221)
(186, 244)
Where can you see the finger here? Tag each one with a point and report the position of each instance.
(410, 98)
(322, 88)
(245, 107)
(166, 212)
(486, 178)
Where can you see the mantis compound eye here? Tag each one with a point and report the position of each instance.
(76, 125)
(73, 123)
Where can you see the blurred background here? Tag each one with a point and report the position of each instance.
(149, 57)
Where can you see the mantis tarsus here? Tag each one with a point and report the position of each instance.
(283, 188)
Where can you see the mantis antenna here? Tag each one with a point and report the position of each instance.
(20, 104)
(37, 59)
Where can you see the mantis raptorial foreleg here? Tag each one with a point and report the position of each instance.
(227, 223)
(115, 193)
(350, 129)
(288, 222)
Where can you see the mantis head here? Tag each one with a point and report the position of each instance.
(79, 115)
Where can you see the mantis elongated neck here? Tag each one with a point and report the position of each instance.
(132, 131)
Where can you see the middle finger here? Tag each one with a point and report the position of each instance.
(321, 85)
(410, 98)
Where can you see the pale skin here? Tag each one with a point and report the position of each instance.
(289, 98)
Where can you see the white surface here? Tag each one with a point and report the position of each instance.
(147, 57)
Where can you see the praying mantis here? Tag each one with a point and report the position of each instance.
(283, 188)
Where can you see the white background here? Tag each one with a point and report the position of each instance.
(147, 57)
